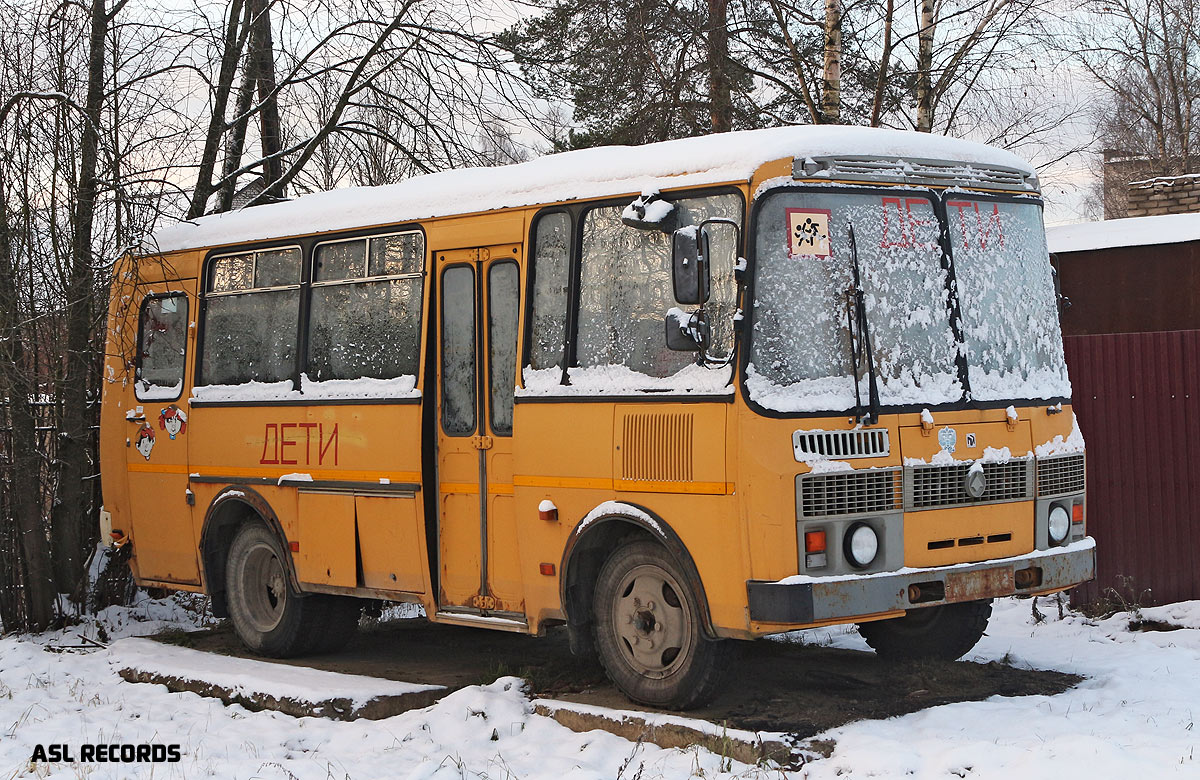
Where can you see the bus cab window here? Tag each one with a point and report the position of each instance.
(551, 278)
(162, 340)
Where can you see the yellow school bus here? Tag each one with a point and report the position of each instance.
(667, 396)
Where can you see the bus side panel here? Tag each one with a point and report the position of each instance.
(349, 448)
(115, 430)
(562, 452)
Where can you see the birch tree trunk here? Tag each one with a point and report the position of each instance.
(831, 93)
(925, 67)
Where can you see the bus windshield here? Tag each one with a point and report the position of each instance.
(1009, 315)
(800, 358)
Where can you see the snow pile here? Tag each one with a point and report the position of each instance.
(1134, 716)
(247, 676)
(585, 173)
(1134, 231)
(620, 380)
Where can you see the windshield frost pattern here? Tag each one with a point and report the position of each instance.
(800, 360)
(1009, 312)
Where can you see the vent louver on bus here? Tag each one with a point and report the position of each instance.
(658, 447)
(840, 445)
(914, 172)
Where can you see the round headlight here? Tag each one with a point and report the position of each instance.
(861, 545)
(1059, 525)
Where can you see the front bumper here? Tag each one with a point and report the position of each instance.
(804, 600)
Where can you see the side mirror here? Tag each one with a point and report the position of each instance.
(689, 265)
(687, 332)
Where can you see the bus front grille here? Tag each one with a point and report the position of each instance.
(1060, 475)
(863, 491)
(931, 487)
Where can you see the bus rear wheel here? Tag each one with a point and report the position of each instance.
(269, 616)
(648, 630)
(946, 632)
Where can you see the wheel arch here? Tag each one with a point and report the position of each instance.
(230, 509)
(594, 538)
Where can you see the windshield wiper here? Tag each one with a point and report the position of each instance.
(860, 347)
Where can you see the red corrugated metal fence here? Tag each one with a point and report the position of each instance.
(1137, 398)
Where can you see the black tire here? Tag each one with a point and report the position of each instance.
(640, 599)
(946, 632)
(270, 617)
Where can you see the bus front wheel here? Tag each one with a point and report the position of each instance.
(269, 616)
(648, 630)
(946, 632)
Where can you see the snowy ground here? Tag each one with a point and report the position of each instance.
(1132, 717)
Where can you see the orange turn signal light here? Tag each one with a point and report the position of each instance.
(1077, 514)
(814, 541)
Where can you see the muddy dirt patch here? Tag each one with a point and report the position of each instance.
(771, 686)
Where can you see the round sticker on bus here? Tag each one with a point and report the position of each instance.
(808, 232)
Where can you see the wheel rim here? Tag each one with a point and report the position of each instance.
(264, 588)
(652, 622)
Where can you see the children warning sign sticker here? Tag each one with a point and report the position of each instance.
(808, 232)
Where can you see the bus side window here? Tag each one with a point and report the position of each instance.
(251, 317)
(365, 318)
(551, 278)
(162, 341)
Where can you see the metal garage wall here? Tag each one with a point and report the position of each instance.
(1137, 398)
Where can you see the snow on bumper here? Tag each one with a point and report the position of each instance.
(803, 599)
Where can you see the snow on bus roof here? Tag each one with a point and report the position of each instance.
(586, 173)
(1131, 231)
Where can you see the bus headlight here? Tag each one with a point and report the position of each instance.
(861, 545)
(1059, 524)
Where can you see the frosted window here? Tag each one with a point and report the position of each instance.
(250, 337)
(277, 267)
(341, 260)
(626, 289)
(161, 347)
(366, 327)
(551, 278)
(233, 273)
(504, 293)
(458, 351)
(403, 253)
(1006, 293)
(800, 360)
(249, 333)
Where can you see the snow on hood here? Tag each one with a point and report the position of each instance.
(585, 173)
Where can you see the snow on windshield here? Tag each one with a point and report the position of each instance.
(1009, 311)
(800, 359)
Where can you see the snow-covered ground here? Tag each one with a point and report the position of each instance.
(1132, 717)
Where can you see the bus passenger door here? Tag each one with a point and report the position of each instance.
(479, 294)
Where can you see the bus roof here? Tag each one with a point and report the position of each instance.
(586, 173)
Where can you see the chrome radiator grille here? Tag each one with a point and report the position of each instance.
(929, 487)
(850, 492)
(1059, 475)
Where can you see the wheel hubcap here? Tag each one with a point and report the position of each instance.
(265, 588)
(651, 621)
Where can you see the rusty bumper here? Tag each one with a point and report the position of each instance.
(801, 600)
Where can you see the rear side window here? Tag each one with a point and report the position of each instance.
(162, 342)
(251, 317)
